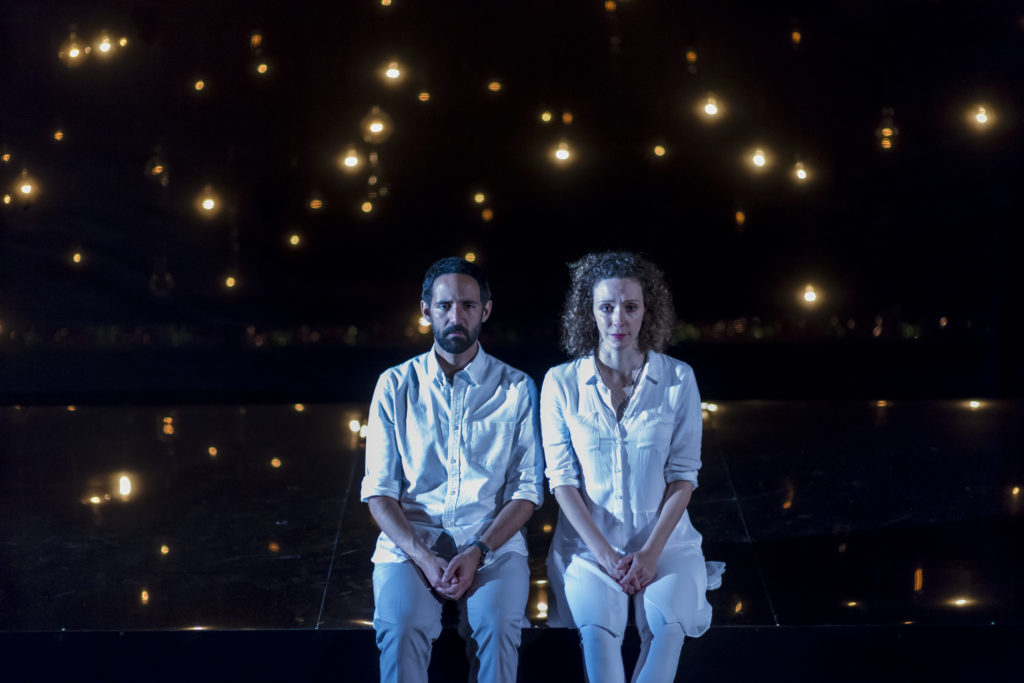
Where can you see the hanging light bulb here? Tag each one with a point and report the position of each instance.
(759, 159)
(156, 169)
(562, 154)
(887, 129)
(800, 172)
(26, 188)
(810, 296)
(208, 202)
(72, 51)
(104, 46)
(376, 126)
(350, 160)
(393, 73)
(710, 107)
(981, 117)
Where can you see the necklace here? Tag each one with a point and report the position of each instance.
(634, 376)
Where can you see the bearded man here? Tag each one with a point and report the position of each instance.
(454, 470)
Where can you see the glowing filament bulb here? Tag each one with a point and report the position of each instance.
(294, 239)
(393, 72)
(711, 107)
(123, 42)
(209, 204)
(376, 127)
(659, 150)
(424, 96)
(353, 426)
(810, 295)
(545, 116)
(76, 257)
(199, 85)
(799, 171)
(105, 45)
(351, 160)
(759, 159)
(125, 486)
(367, 207)
(230, 282)
(479, 198)
(981, 116)
(470, 256)
(494, 86)
(562, 153)
(26, 188)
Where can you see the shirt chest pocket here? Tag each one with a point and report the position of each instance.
(489, 443)
(588, 432)
(653, 430)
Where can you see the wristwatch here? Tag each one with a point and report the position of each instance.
(484, 550)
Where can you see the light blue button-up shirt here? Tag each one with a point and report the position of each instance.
(453, 453)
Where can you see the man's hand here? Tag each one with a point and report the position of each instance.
(433, 568)
(459, 574)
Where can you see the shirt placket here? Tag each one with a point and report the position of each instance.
(618, 456)
(457, 402)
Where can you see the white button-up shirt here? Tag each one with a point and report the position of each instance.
(622, 468)
(453, 453)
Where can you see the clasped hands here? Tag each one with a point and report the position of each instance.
(451, 579)
(633, 572)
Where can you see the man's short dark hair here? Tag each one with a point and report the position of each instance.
(454, 265)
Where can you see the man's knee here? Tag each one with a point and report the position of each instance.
(599, 634)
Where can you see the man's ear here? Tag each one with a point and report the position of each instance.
(487, 310)
(425, 309)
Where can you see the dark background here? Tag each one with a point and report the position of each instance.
(909, 247)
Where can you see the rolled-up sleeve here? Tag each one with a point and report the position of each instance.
(525, 480)
(561, 468)
(383, 474)
(684, 453)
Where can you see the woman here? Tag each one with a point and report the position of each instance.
(621, 425)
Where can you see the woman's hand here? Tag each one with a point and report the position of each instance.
(638, 570)
(610, 561)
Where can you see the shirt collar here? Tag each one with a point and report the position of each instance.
(474, 372)
(653, 369)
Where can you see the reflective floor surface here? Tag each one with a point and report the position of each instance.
(902, 515)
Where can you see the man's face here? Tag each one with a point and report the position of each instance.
(455, 312)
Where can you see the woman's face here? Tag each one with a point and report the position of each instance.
(618, 312)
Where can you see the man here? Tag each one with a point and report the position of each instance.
(453, 471)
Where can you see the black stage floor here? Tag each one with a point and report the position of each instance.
(864, 541)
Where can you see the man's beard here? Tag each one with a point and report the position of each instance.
(456, 344)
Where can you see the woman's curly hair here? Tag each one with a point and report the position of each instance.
(579, 330)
